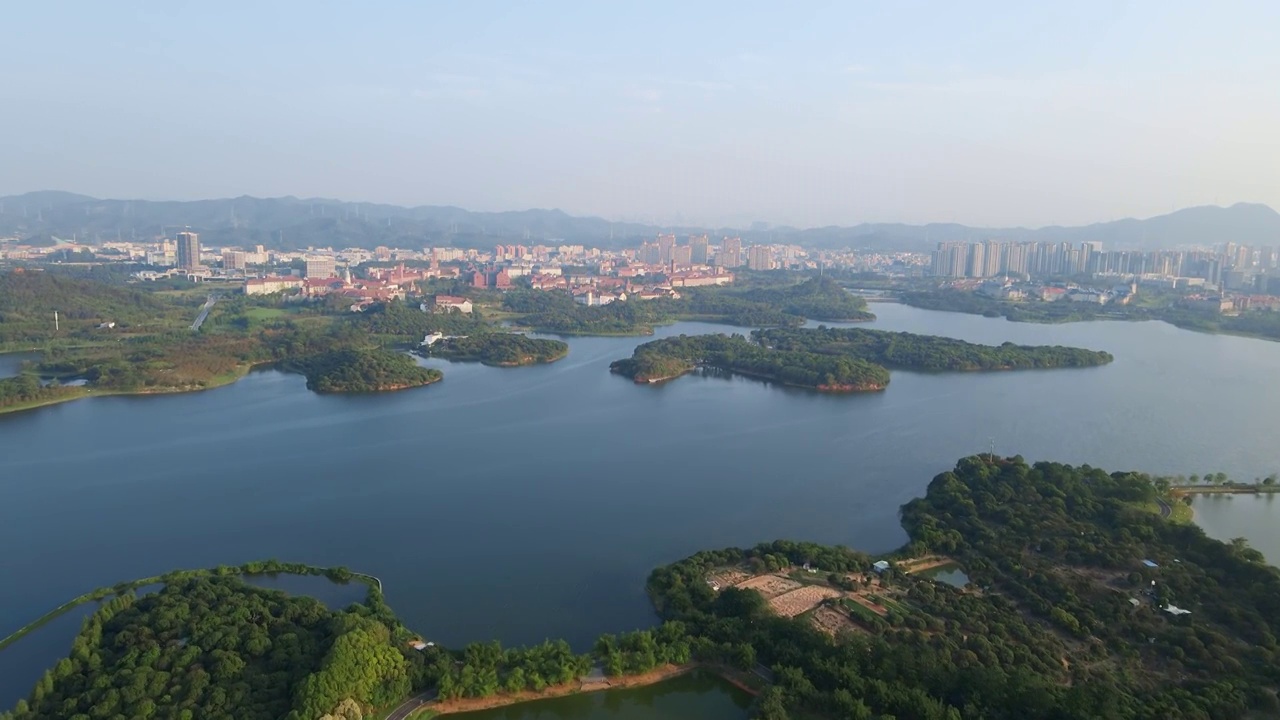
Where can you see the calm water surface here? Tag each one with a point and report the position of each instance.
(697, 696)
(1252, 517)
(333, 594)
(528, 503)
(11, 363)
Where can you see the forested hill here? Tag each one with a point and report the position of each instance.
(1061, 619)
(29, 298)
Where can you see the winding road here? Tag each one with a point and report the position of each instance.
(1165, 510)
(408, 707)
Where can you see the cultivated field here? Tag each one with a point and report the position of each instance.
(832, 621)
(802, 600)
(770, 586)
(727, 578)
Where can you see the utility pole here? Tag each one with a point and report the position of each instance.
(55, 321)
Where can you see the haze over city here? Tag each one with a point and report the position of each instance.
(996, 114)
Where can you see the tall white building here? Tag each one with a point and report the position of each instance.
(320, 267)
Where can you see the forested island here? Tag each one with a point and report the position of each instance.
(837, 359)
(117, 338)
(1081, 603)
(363, 370)
(499, 349)
(927, 353)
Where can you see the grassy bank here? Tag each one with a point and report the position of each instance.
(216, 381)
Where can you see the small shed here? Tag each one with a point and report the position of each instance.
(1150, 564)
(880, 565)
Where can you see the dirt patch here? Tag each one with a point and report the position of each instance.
(612, 683)
(802, 600)
(726, 578)
(770, 586)
(927, 562)
(832, 621)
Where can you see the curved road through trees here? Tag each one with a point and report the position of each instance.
(412, 705)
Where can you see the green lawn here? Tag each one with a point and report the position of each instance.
(861, 610)
(260, 314)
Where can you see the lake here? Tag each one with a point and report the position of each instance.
(1252, 517)
(696, 696)
(528, 503)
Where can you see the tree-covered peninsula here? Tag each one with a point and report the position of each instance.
(212, 646)
(500, 349)
(1080, 603)
(837, 359)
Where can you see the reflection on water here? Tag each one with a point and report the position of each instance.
(11, 363)
(334, 595)
(949, 574)
(696, 696)
(1252, 517)
(22, 663)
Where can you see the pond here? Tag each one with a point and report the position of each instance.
(952, 575)
(11, 363)
(334, 595)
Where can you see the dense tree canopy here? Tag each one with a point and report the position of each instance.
(28, 299)
(215, 647)
(556, 312)
(1047, 628)
(498, 348)
(362, 370)
(837, 359)
(910, 351)
(399, 319)
(820, 298)
(668, 357)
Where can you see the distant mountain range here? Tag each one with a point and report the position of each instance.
(290, 222)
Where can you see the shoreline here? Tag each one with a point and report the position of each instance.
(825, 389)
(581, 687)
(103, 593)
(1110, 318)
(215, 382)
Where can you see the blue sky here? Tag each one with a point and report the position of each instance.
(987, 113)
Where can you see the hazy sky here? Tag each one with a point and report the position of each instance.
(801, 113)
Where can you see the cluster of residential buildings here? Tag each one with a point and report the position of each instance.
(1005, 289)
(1231, 266)
(1200, 295)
